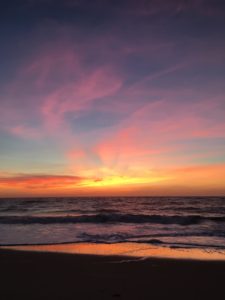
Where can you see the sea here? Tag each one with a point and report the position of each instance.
(172, 222)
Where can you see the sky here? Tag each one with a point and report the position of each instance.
(112, 97)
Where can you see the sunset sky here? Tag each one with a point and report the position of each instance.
(112, 97)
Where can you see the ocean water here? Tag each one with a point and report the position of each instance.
(174, 222)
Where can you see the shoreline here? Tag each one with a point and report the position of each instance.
(45, 275)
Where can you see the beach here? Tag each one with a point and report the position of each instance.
(112, 248)
(43, 275)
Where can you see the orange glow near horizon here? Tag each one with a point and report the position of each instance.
(196, 180)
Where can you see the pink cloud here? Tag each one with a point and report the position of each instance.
(157, 128)
(43, 67)
(78, 96)
(54, 81)
(25, 132)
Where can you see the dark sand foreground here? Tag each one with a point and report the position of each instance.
(30, 275)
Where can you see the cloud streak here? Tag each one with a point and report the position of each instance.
(40, 181)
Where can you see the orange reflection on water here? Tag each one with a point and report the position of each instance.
(126, 249)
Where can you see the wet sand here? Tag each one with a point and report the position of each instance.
(40, 275)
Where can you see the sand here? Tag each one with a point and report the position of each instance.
(40, 275)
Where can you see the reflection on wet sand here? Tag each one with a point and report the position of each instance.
(126, 249)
